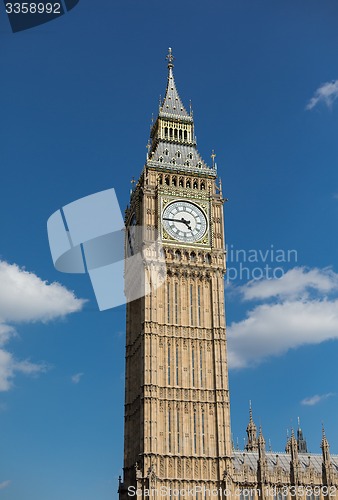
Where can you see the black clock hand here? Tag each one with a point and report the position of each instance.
(186, 222)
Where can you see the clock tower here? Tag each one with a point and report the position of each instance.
(177, 414)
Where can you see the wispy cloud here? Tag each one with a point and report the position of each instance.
(25, 298)
(298, 282)
(77, 378)
(293, 315)
(4, 484)
(317, 398)
(327, 93)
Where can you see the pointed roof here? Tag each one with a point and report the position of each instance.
(172, 106)
(324, 444)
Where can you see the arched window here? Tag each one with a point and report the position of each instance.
(202, 185)
(178, 154)
(190, 156)
(175, 133)
(188, 184)
(180, 134)
(167, 180)
(193, 257)
(166, 132)
(171, 132)
(185, 135)
(180, 183)
(178, 255)
(174, 181)
(160, 159)
(195, 185)
(166, 152)
(160, 179)
(173, 161)
(208, 258)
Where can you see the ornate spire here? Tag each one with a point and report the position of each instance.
(301, 441)
(173, 142)
(251, 431)
(172, 106)
(325, 446)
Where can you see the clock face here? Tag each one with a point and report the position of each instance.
(131, 235)
(184, 221)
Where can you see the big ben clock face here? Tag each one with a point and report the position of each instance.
(184, 221)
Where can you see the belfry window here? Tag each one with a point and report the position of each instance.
(188, 184)
(166, 132)
(195, 185)
(180, 134)
(180, 182)
(185, 135)
(202, 185)
(175, 133)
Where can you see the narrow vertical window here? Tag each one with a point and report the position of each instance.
(169, 431)
(195, 432)
(201, 367)
(176, 364)
(178, 431)
(176, 303)
(199, 305)
(193, 366)
(169, 364)
(191, 305)
(203, 433)
(168, 302)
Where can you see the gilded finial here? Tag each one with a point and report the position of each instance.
(170, 58)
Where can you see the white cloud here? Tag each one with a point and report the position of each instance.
(314, 400)
(296, 283)
(25, 298)
(292, 320)
(327, 93)
(77, 378)
(4, 484)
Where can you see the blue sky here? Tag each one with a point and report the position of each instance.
(77, 96)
